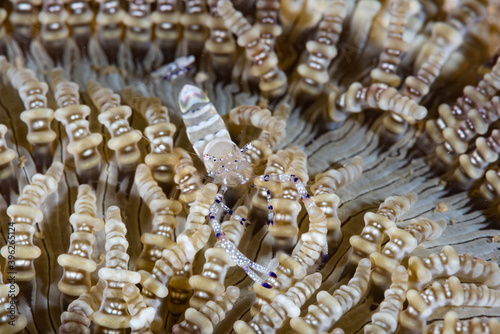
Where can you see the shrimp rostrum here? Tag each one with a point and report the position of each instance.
(226, 164)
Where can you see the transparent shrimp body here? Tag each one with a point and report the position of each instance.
(171, 71)
(223, 161)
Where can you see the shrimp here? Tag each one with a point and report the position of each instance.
(225, 163)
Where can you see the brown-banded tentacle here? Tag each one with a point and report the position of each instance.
(284, 306)
(206, 319)
(474, 164)
(115, 117)
(385, 320)
(37, 116)
(167, 31)
(451, 323)
(80, 17)
(332, 306)
(447, 263)
(394, 45)
(160, 131)
(83, 143)
(377, 224)
(142, 316)
(473, 98)
(11, 320)
(77, 262)
(54, 32)
(163, 223)
(323, 49)
(155, 283)
(113, 313)
(220, 44)
(267, 12)
(273, 81)
(77, 319)
(323, 190)
(138, 27)
(109, 20)
(452, 292)
(401, 243)
(25, 215)
(194, 21)
(6, 156)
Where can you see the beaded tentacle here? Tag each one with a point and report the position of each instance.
(109, 21)
(77, 319)
(422, 304)
(186, 176)
(83, 143)
(161, 160)
(377, 225)
(474, 98)
(25, 215)
(273, 81)
(266, 14)
(142, 316)
(204, 320)
(445, 38)
(155, 283)
(451, 324)
(194, 19)
(401, 243)
(37, 116)
(53, 32)
(394, 45)
(6, 156)
(113, 313)
(285, 208)
(167, 27)
(418, 85)
(10, 320)
(285, 306)
(313, 244)
(138, 26)
(77, 263)
(114, 116)
(332, 306)
(163, 223)
(448, 262)
(385, 320)
(220, 44)
(490, 186)
(276, 164)
(322, 50)
(80, 17)
(314, 241)
(325, 198)
(195, 220)
(477, 123)
(379, 96)
(473, 165)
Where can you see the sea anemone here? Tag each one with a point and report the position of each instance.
(368, 145)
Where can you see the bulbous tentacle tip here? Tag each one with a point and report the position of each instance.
(325, 258)
(273, 274)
